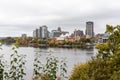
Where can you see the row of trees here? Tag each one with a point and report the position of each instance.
(106, 64)
(29, 41)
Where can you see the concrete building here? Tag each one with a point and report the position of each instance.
(102, 38)
(24, 35)
(59, 29)
(90, 29)
(41, 33)
(44, 32)
(35, 33)
(78, 33)
(57, 33)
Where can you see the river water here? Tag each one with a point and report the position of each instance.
(73, 56)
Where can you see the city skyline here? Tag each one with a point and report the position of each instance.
(23, 16)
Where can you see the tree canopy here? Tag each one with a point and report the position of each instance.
(106, 64)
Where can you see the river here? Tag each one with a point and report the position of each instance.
(73, 56)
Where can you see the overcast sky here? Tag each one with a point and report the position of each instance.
(23, 16)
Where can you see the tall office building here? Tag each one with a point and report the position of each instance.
(59, 29)
(41, 33)
(35, 33)
(44, 32)
(90, 29)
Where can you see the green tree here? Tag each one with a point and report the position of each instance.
(49, 70)
(1, 63)
(106, 64)
(80, 72)
(1, 67)
(16, 69)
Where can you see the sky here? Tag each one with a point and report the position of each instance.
(24, 16)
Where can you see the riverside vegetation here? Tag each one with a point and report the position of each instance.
(49, 70)
(106, 64)
(50, 42)
(14, 69)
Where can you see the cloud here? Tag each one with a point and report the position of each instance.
(26, 15)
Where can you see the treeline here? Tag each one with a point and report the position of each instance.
(106, 64)
(36, 42)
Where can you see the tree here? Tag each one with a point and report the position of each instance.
(50, 69)
(106, 64)
(80, 72)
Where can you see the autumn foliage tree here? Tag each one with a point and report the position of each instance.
(106, 64)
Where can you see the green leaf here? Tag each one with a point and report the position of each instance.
(15, 59)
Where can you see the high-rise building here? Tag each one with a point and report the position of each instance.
(59, 29)
(35, 33)
(44, 32)
(78, 33)
(41, 33)
(90, 29)
(24, 35)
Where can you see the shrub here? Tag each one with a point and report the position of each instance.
(80, 72)
(13, 70)
(50, 69)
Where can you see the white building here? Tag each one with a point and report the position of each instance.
(103, 38)
(63, 37)
(35, 33)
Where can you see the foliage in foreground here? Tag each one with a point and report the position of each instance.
(13, 69)
(105, 65)
(51, 70)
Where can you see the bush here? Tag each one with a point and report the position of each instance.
(80, 72)
(115, 76)
(49, 70)
(15, 69)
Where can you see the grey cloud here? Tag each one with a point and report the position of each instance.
(26, 15)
